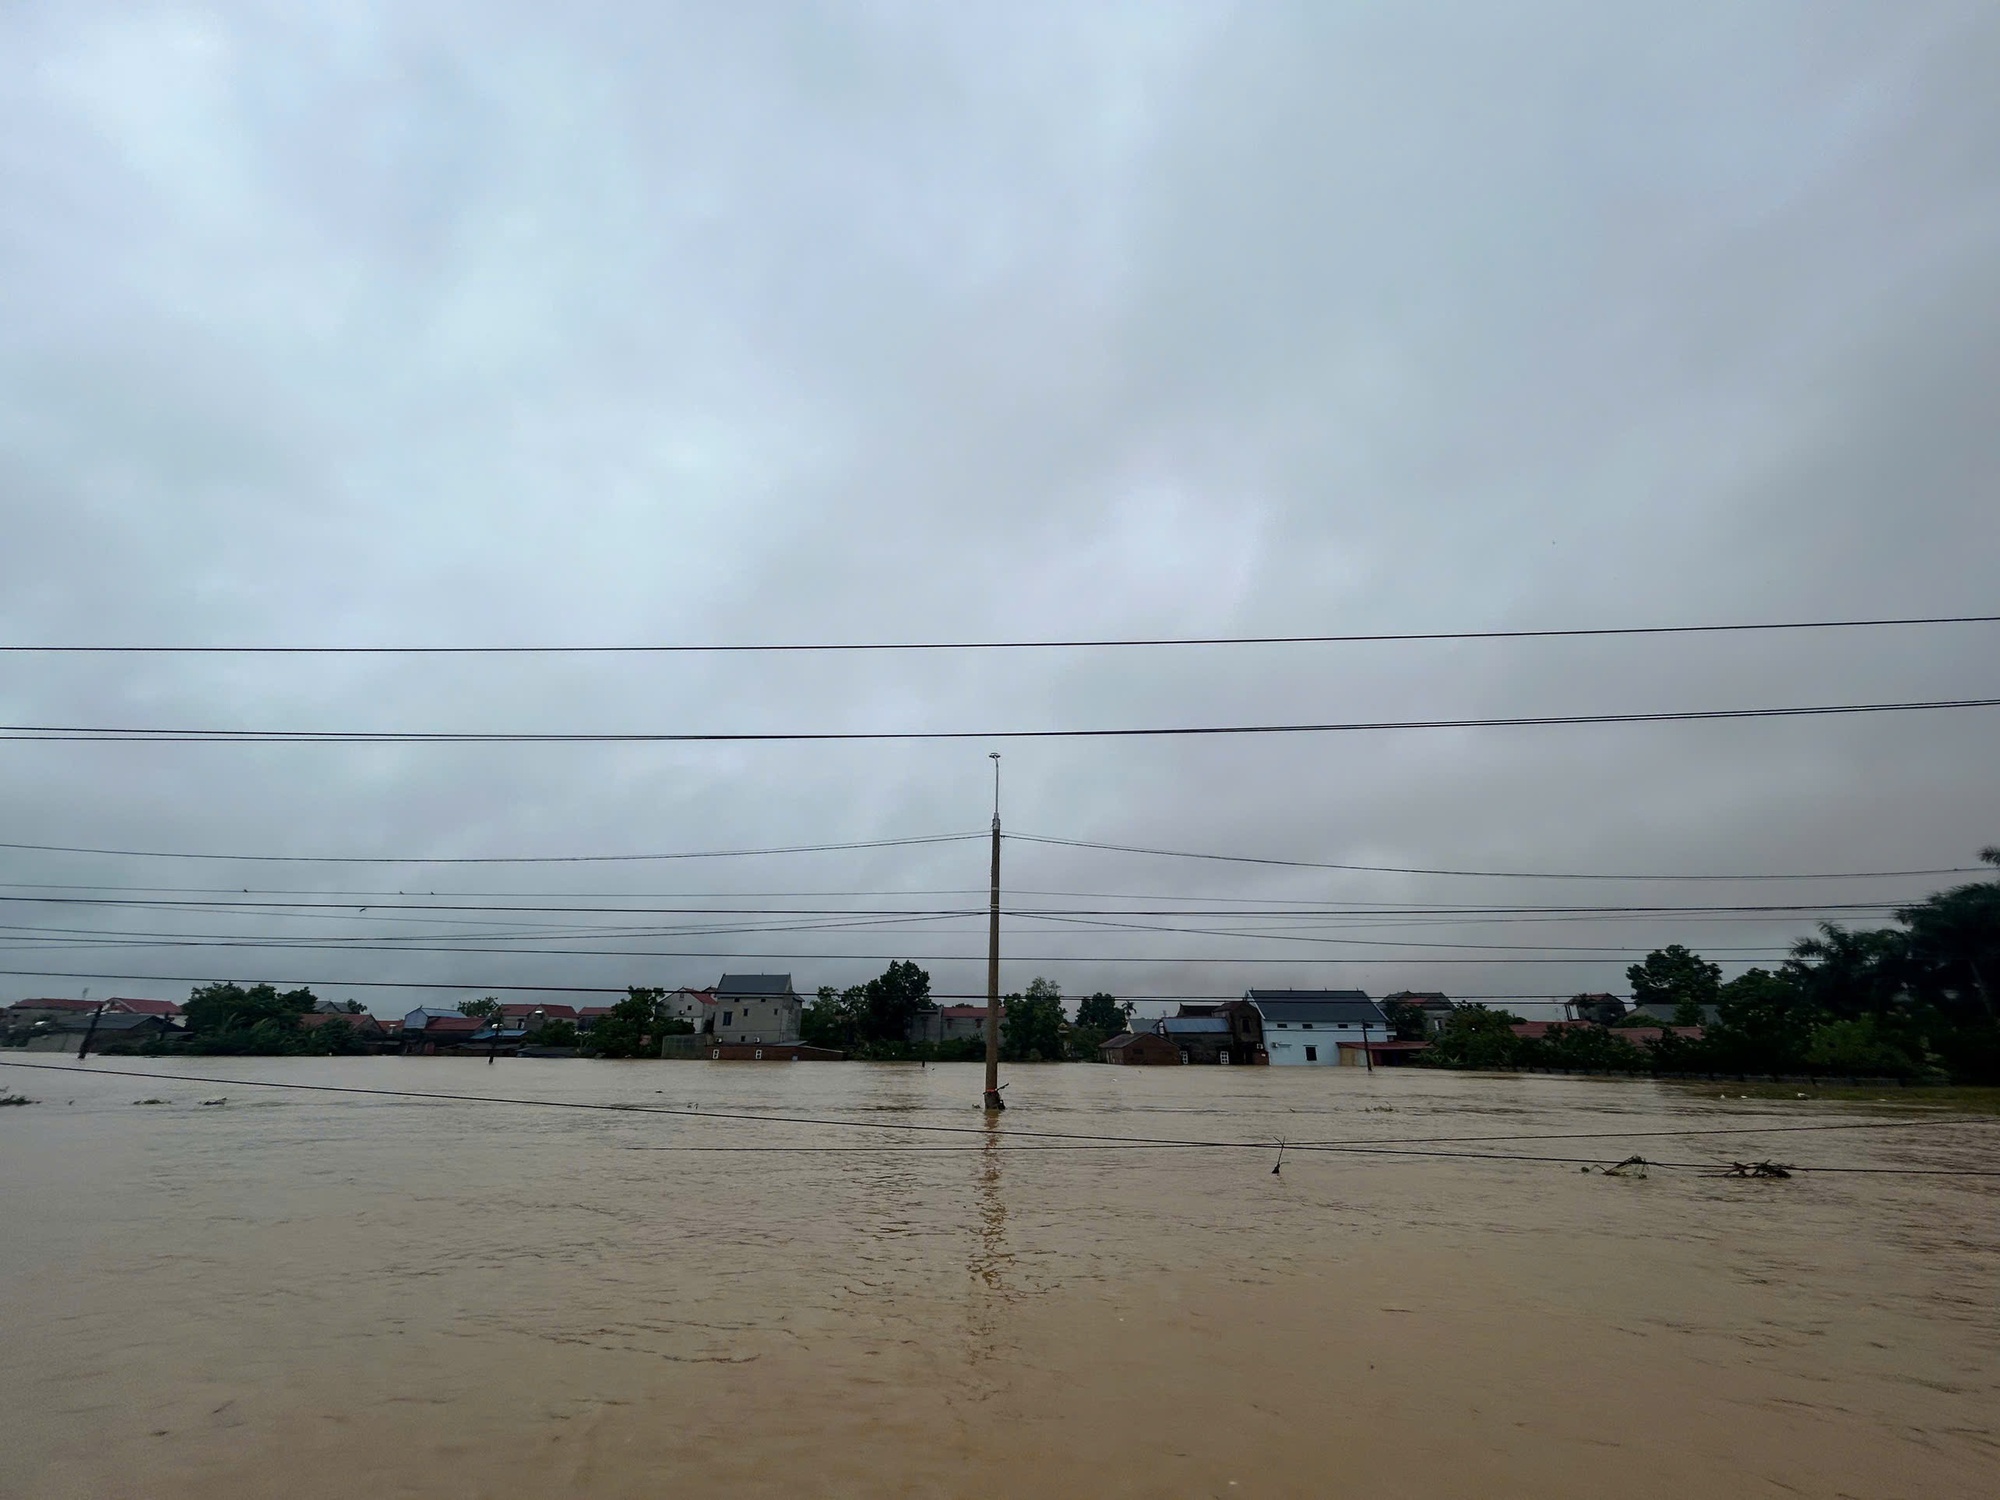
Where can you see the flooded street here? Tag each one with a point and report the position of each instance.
(322, 1294)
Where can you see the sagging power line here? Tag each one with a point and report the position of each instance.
(153, 735)
(989, 1137)
(503, 859)
(954, 838)
(1083, 643)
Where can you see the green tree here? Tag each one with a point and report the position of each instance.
(1674, 976)
(1103, 1013)
(1407, 1022)
(556, 1033)
(1868, 1045)
(634, 1026)
(834, 1018)
(1581, 1045)
(486, 1010)
(1098, 1018)
(1848, 974)
(336, 1038)
(219, 1010)
(1762, 1025)
(1952, 969)
(1474, 1037)
(893, 1000)
(1032, 1026)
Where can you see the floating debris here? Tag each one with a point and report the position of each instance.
(1757, 1169)
(15, 1099)
(1632, 1166)
(207, 1102)
(149, 1101)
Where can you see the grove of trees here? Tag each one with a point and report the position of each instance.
(1910, 1001)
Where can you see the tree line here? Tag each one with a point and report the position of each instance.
(1915, 1000)
(874, 1021)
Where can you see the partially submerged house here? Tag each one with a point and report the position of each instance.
(121, 1006)
(756, 1008)
(430, 1029)
(1599, 1009)
(67, 1033)
(1226, 1033)
(1435, 1005)
(532, 1017)
(1140, 1049)
(1318, 1028)
(948, 1023)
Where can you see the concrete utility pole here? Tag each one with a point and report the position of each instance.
(993, 1099)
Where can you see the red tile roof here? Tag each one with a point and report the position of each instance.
(59, 1003)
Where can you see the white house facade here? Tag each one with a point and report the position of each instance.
(1307, 1028)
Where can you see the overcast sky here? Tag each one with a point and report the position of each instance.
(427, 323)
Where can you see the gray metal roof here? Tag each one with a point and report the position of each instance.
(1181, 1025)
(1318, 1006)
(112, 1021)
(755, 984)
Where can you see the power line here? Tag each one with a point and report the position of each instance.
(1411, 915)
(1308, 864)
(25, 648)
(108, 735)
(377, 946)
(447, 942)
(890, 843)
(1052, 1139)
(500, 859)
(177, 895)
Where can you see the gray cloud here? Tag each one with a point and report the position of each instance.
(621, 323)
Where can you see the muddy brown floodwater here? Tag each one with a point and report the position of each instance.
(319, 1294)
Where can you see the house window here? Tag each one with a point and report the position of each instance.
(1283, 1024)
(1312, 1054)
(726, 1016)
(1306, 1025)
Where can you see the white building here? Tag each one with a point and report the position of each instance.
(756, 1008)
(696, 1007)
(1307, 1028)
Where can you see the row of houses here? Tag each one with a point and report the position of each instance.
(59, 1024)
(753, 1010)
(1340, 1028)
(761, 1013)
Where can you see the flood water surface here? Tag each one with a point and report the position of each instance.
(334, 1294)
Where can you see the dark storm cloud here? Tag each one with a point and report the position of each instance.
(454, 324)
